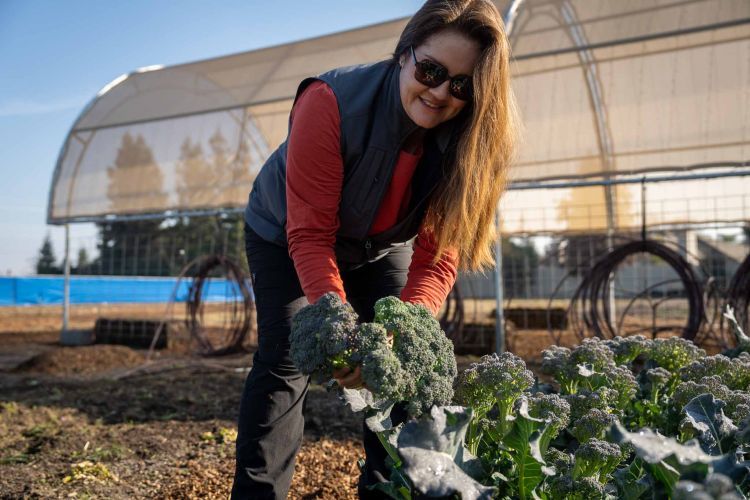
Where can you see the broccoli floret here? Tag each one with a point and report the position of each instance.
(552, 408)
(583, 402)
(626, 349)
(596, 459)
(740, 379)
(659, 380)
(425, 353)
(322, 335)
(621, 380)
(718, 365)
(555, 362)
(737, 402)
(566, 488)
(497, 379)
(560, 460)
(575, 369)
(592, 425)
(686, 391)
(674, 352)
(592, 353)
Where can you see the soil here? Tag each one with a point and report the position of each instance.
(100, 421)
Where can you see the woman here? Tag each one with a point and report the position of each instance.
(387, 183)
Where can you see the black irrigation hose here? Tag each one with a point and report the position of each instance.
(592, 296)
(738, 294)
(241, 313)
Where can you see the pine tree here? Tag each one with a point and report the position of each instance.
(45, 262)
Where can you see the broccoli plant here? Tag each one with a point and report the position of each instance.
(674, 352)
(626, 349)
(497, 380)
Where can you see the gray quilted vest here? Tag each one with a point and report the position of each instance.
(374, 126)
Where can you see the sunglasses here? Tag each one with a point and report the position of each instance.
(432, 74)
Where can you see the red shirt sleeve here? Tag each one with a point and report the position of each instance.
(314, 176)
(427, 283)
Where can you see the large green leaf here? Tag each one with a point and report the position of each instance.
(523, 441)
(632, 481)
(705, 418)
(653, 447)
(434, 457)
(435, 474)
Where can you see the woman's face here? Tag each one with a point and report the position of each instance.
(429, 107)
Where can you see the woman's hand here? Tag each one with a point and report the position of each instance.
(349, 378)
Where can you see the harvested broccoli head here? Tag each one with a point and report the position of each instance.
(321, 335)
(425, 353)
(674, 352)
(497, 379)
(596, 459)
(626, 349)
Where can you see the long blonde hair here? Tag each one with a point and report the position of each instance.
(461, 213)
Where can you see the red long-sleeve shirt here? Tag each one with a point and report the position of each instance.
(314, 179)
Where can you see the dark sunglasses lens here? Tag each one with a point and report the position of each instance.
(460, 88)
(429, 73)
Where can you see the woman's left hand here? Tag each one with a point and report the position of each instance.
(351, 379)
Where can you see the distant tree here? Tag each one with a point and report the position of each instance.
(45, 261)
(135, 179)
(196, 180)
(83, 263)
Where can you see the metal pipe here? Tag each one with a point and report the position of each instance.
(499, 313)
(66, 282)
(520, 186)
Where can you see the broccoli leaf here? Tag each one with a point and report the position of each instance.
(524, 439)
(435, 474)
(653, 447)
(632, 481)
(362, 399)
(434, 456)
(705, 418)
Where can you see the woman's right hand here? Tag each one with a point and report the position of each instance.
(348, 377)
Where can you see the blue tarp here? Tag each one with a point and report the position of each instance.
(37, 290)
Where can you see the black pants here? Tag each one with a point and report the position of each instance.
(271, 422)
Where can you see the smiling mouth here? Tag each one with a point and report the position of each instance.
(431, 106)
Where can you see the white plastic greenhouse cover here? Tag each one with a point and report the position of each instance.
(606, 89)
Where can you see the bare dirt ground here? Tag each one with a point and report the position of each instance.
(99, 422)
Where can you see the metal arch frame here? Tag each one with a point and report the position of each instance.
(595, 94)
(509, 19)
(588, 64)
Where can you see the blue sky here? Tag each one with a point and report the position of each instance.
(55, 55)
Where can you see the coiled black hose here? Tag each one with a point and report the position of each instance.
(738, 294)
(240, 314)
(591, 298)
